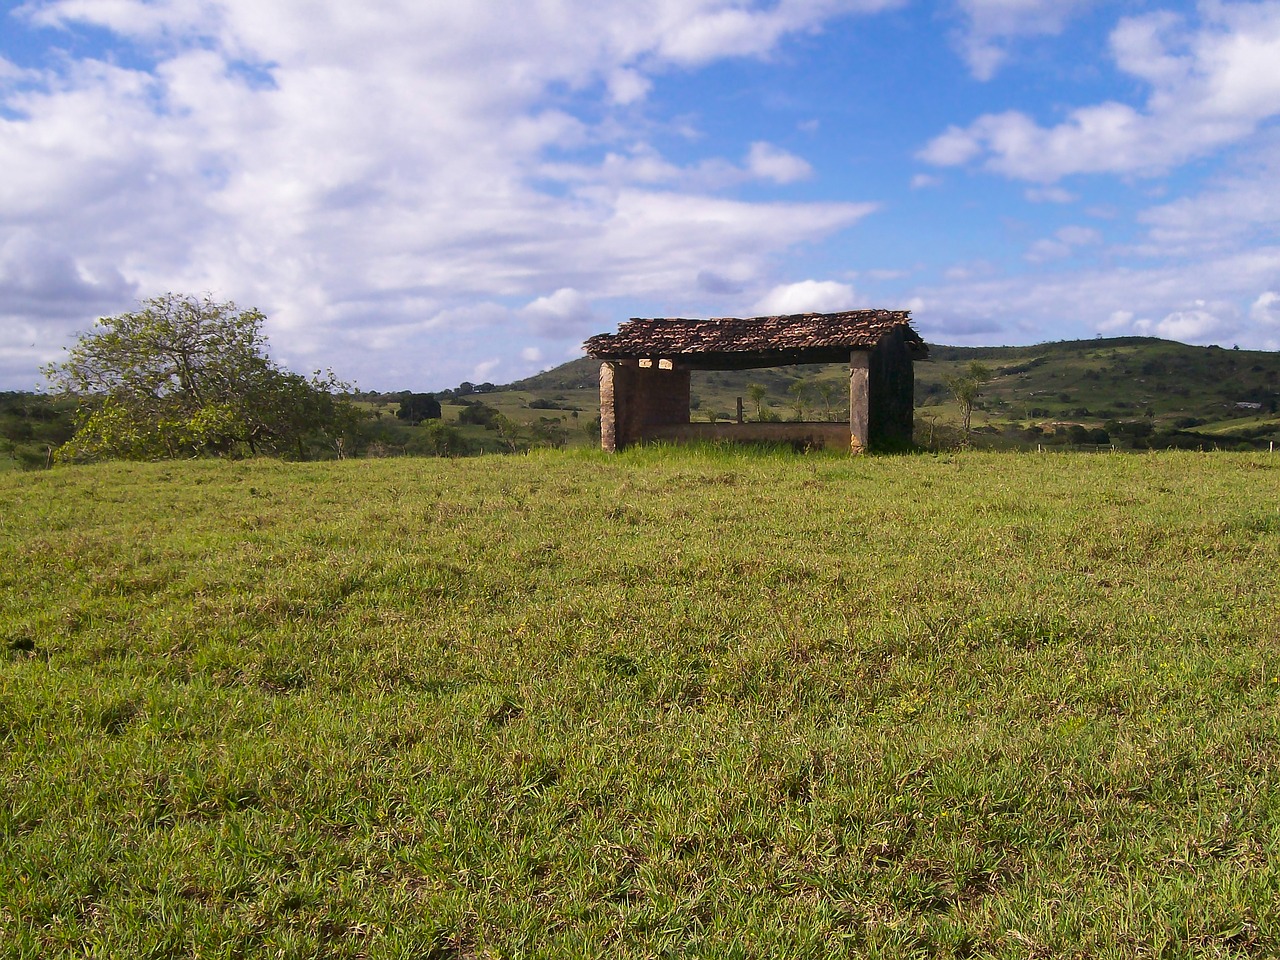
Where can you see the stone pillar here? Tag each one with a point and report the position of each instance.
(859, 400)
(608, 407)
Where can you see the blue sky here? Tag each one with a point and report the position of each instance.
(420, 193)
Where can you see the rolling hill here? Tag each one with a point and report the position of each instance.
(1135, 388)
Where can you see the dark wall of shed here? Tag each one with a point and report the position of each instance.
(893, 381)
(636, 399)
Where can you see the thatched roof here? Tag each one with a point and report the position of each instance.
(731, 342)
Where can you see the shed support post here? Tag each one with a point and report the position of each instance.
(609, 404)
(859, 400)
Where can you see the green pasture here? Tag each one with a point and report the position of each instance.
(691, 702)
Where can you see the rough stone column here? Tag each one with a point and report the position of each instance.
(608, 408)
(859, 400)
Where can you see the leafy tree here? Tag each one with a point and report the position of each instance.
(967, 388)
(799, 398)
(827, 394)
(508, 431)
(478, 412)
(756, 392)
(416, 407)
(182, 377)
(438, 439)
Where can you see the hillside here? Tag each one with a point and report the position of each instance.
(1138, 388)
(1130, 392)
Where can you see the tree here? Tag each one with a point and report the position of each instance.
(182, 377)
(756, 392)
(438, 439)
(416, 407)
(477, 412)
(827, 394)
(967, 388)
(799, 398)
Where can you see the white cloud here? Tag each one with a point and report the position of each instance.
(1209, 87)
(531, 355)
(807, 296)
(922, 181)
(1119, 320)
(565, 313)
(485, 368)
(1266, 309)
(640, 163)
(362, 171)
(1240, 208)
(1062, 244)
(1193, 325)
(628, 86)
(1049, 195)
(773, 163)
(721, 29)
(1207, 303)
(992, 24)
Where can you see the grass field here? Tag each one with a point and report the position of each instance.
(670, 703)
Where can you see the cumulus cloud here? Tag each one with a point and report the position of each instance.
(1210, 303)
(729, 30)
(1241, 207)
(773, 163)
(1062, 244)
(361, 172)
(41, 279)
(991, 25)
(1210, 85)
(807, 296)
(485, 368)
(1195, 325)
(1049, 195)
(1266, 309)
(640, 163)
(565, 313)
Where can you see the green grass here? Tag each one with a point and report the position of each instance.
(669, 703)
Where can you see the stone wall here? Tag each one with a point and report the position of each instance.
(815, 435)
(635, 400)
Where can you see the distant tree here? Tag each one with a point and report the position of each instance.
(756, 392)
(508, 431)
(827, 394)
(799, 391)
(182, 377)
(1077, 433)
(967, 388)
(416, 407)
(479, 413)
(438, 439)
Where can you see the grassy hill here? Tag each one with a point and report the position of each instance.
(1198, 396)
(666, 703)
(1131, 392)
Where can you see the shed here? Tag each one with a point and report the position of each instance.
(645, 367)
